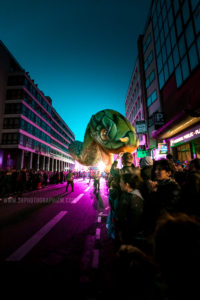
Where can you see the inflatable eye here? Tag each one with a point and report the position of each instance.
(103, 134)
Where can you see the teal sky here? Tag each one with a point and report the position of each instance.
(81, 53)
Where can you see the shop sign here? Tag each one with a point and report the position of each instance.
(163, 149)
(186, 136)
(141, 127)
(152, 143)
(143, 153)
(158, 118)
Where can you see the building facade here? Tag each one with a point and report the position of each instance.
(32, 134)
(134, 107)
(169, 57)
(176, 27)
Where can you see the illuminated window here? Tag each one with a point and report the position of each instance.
(166, 28)
(164, 55)
(152, 98)
(168, 46)
(158, 46)
(162, 37)
(189, 34)
(173, 36)
(194, 3)
(178, 76)
(198, 45)
(166, 72)
(181, 45)
(159, 62)
(176, 6)
(185, 68)
(170, 65)
(161, 79)
(164, 11)
(193, 57)
(186, 12)
(176, 56)
(179, 26)
(170, 17)
(197, 19)
(156, 32)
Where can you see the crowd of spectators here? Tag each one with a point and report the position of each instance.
(154, 222)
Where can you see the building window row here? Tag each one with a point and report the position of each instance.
(152, 98)
(10, 138)
(147, 42)
(11, 123)
(150, 79)
(22, 80)
(148, 61)
(21, 94)
(35, 119)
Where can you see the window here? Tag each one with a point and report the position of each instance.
(189, 34)
(155, 21)
(159, 63)
(168, 46)
(193, 57)
(176, 56)
(150, 78)
(170, 17)
(158, 8)
(158, 46)
(162, 37)
(170, 65)
(198, 45)
(181, 45)
(148, 61)
(176, 6)
(194, 3)
(197, 19)
(173, 36)
(156, 31)
(13, 108)
(166, 72)
(160, 22)
(147, 42)
(185, 68)
(164, 55)
(164, 12)
(10, 138)
(152, 98)
(186, 12)
(168, 3)
(166, 28)
(179, 26)
(178, 76)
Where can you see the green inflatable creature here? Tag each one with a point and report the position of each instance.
(107, 133)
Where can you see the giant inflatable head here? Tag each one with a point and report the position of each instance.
(107, 133)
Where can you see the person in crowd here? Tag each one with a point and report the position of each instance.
(146, 165)
(191, 189)
(134, 274)
(130, 209)
(70, 180)
(97, 177)
(127, 162)
(177, 254)
(164, 193)
(113, 198)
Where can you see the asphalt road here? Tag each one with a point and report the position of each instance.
(53, 241)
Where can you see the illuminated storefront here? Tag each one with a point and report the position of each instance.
(186, 145)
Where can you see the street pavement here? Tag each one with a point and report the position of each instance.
(57, 241)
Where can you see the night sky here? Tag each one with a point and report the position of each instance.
(81, 53)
